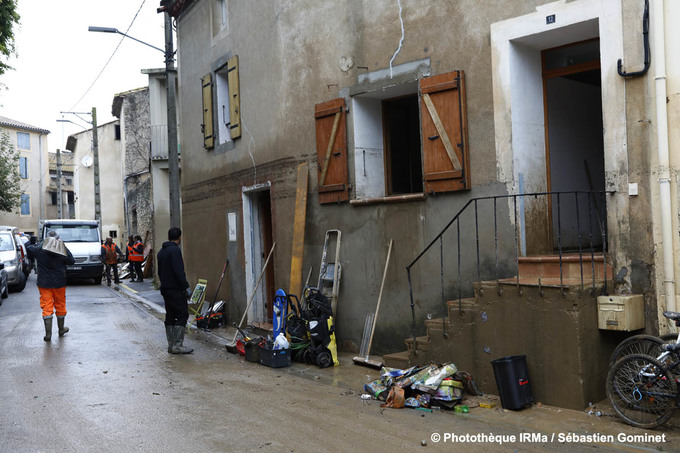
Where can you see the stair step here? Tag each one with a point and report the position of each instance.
(548, 266)
(436, 324)
(422, 342)
(399, 360)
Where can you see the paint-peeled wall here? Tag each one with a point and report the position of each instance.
(303, 55)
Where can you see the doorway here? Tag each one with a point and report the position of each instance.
(258, 241)
(574, 144)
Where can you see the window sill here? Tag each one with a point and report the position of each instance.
(390, 199)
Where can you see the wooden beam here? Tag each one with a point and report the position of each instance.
(300, 219)
(442, 132)
(329, 149)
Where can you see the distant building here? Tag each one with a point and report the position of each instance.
(110, 179)
(51, 208)
(31, 141)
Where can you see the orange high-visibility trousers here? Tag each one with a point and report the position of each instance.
(53, 300)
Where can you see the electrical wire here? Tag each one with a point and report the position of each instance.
(401, 41)
(110, 58)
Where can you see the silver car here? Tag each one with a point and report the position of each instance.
(4, 287)
(12, 257)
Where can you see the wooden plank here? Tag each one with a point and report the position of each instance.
(206, 87)
(295, 285)
(442, 132)
(234, 97)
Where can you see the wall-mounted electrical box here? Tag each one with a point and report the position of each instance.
(624, 313)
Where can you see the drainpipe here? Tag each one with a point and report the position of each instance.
(664, 155)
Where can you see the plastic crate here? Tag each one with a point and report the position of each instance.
(274, 358)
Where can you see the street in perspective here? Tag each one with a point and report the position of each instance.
(110, 385)
(348, 225)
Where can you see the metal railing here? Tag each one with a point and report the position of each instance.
(572, 233)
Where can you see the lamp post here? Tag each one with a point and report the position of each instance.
(173, 155)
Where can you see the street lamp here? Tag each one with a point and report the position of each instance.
(173, 155)
(115, 30)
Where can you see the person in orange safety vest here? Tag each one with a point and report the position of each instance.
(110, 254)
(136, 256)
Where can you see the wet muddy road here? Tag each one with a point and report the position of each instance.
(110, 385)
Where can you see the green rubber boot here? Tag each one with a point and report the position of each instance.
(48, 328)
(60, 323)
(169, 334)
(178, 337)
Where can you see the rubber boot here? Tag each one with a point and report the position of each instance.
(178, 337)
(60, 323)
(169, 334)
(48, 328)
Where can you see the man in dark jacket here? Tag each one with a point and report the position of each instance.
(52, 257)
(175, 291)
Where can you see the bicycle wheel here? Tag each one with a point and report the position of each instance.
(638, 344)
(642, 391)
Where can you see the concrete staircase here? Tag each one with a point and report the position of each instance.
(510, 318)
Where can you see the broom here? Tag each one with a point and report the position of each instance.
(366, 361)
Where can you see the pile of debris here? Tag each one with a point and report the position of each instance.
(422, 387)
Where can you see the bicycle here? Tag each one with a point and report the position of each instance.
(643, 344)
(642, 388)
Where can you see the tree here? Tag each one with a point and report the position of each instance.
(10, 187)
(8, 19)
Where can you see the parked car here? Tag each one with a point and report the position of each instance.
(29, 265)
(4, 286)
(13, 255)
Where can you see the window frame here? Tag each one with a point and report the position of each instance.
(28, 139)
(25, 200)
(444, 153)
(25, 173)
(224, 73)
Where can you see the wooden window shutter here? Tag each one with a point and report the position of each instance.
(446, 159)
(331, 151)
(207, 126)
(234, 97)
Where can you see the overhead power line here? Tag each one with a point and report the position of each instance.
(109, 60)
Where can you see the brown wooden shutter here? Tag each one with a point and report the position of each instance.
(331, 151)
(207, 126)
(446, 159)
(234, 97)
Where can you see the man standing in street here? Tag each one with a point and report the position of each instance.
(136, 257)
(52, 257)
(110, 254)
(175, 291)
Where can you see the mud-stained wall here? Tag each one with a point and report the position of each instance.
(291, 57)
(567, 355)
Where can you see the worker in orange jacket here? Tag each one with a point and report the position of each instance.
(136, 256)
(110, 254)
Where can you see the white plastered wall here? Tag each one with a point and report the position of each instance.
(518, 98)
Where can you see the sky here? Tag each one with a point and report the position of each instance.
(58, 60)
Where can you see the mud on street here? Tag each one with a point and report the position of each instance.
(110, 385)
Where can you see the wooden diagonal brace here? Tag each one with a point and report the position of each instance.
(329, 149)
(442, 132)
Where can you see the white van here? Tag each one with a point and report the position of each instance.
(83, 240)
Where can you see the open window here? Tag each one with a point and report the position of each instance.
(221, 105)
(411, 139)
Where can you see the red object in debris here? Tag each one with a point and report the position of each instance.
(241, 347)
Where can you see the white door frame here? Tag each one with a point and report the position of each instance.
(253, 249)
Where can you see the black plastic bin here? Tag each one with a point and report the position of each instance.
(512, 380)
